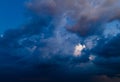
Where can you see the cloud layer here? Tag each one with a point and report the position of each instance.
(89, 15)
(45, 48)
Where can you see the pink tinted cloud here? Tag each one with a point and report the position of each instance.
(87, 13)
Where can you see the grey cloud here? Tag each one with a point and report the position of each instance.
(88, 14)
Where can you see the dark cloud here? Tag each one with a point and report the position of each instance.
(109, 49)
(105, 78)
(88, 14)
(43, 49)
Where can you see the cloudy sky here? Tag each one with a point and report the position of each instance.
(60, 40)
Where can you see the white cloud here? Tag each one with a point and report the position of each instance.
(92, 57)
(78, 49)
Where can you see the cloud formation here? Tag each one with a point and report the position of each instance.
(45, 47)
(88, 15)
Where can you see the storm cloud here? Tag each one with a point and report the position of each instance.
(68, 40)
(89, 15)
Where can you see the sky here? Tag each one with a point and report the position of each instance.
(12, 14)
(60, 40)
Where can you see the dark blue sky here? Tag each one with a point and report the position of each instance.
(11, 14)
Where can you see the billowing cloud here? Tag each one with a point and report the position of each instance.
(88, 15)
(52, 44)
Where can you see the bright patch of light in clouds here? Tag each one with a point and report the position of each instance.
(91, 57)
(78, 49)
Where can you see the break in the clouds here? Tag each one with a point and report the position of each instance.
(66, 40)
